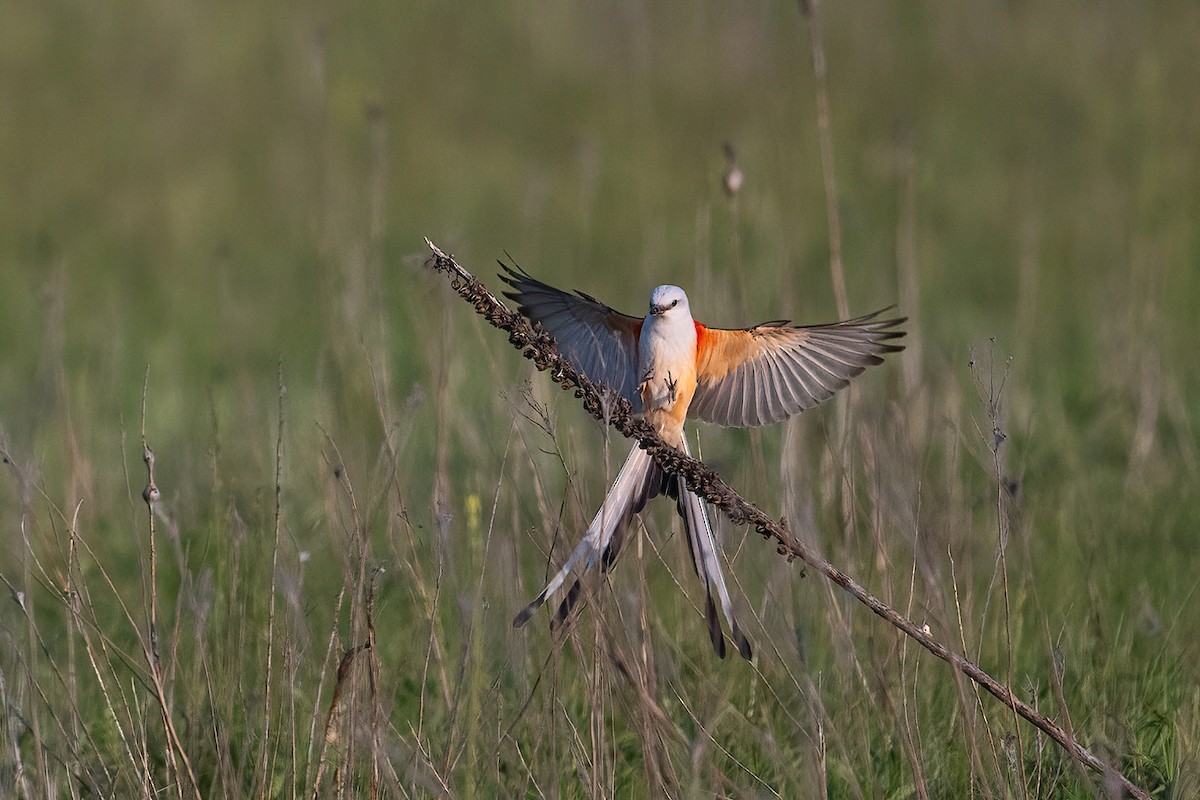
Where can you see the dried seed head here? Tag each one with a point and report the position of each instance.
(733, 178)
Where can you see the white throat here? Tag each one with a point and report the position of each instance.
(667, 349)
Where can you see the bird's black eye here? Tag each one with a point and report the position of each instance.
(674, 302)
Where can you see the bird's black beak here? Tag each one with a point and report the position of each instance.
(658, 311)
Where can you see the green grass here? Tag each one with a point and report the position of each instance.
(194, 197)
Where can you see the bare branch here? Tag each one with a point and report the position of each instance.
(608, 406)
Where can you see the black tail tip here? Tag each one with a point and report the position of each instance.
(743, 644)
(714, 628)
(528, 611)
(718, 643)
(565, 607)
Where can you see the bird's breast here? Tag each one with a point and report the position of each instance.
(667, 371)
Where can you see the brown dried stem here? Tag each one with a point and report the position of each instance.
(175, 748)
(607, 406)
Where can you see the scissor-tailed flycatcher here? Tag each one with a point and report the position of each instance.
(669, 367)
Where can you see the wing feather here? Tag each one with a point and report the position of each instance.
(765, 374)
(778, 391)
(600, 341)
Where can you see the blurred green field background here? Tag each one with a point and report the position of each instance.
(197, 197)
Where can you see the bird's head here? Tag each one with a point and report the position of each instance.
(665, 299)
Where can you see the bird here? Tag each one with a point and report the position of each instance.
(670, 367)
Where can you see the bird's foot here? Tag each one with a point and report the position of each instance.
(671, 386)
(645, 383)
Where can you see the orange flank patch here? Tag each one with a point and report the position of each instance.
(719, 351)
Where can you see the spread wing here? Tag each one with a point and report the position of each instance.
(601, 342)
(767, 373)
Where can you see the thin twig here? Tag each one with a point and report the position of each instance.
(150, 494)
(175, 747)
(264, 764)
(606, 405)
(373, 681)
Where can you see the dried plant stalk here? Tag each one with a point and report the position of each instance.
(608, 406)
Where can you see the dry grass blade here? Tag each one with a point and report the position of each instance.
(607, 406)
